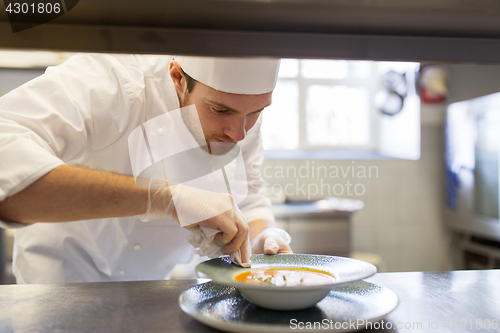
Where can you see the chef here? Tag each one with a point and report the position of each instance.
(66, 139)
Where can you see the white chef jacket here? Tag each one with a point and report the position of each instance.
(83, 112)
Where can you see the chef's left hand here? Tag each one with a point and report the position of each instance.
(272, 241)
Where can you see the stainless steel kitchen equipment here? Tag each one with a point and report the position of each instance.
(473, 190)
(315, 230)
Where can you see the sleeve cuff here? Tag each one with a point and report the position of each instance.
(22, 162)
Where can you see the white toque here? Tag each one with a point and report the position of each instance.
(250, 76)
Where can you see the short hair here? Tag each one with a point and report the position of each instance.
(190, 82)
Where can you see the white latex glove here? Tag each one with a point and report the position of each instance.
(205, 245)
(191, 208)
(272, 241)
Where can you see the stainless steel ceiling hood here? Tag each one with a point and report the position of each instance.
(412, 30)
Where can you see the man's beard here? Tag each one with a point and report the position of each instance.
(191, 119)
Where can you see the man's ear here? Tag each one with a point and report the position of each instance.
(177, 75)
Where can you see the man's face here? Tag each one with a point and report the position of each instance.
(225, 118)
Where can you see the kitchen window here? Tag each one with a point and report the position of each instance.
(325, 105)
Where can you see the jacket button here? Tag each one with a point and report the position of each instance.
(137, 247)
(160, 131)
(123, 272)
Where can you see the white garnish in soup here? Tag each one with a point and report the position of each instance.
(289, 277)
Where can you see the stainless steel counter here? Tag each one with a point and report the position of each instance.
(426, 300)
(314, 229)
(306, 210)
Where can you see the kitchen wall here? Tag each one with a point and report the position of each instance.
(468, 81)
(401, 220)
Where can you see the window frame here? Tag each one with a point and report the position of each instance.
(371, 83)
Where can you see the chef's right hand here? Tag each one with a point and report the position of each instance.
(195, 207)
(192, 206)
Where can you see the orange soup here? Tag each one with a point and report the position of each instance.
(289, 277)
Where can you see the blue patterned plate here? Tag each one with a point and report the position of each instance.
(346, 308)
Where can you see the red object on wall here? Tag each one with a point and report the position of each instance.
(429, 97)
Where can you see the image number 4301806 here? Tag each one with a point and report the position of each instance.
(26, 14)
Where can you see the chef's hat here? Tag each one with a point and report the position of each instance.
(251, 76)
